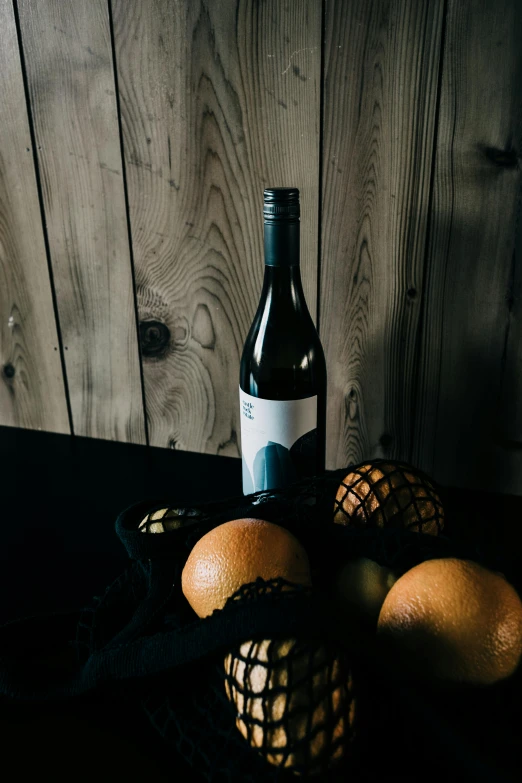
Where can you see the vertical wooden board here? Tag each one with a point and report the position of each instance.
(380, 92)
(507, 449)
(68, 54)
(32, 392)
(218, 101)
(510, 408)
(470, 260)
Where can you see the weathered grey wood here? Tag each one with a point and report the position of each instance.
(32, 392)
(218, 101)
(381, 70)
(511, 397)
(471, 320)
(70, 74)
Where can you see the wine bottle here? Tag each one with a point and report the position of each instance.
(282, 383)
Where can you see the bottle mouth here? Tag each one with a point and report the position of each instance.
(281, 204)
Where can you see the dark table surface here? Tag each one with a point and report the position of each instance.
(60, 499)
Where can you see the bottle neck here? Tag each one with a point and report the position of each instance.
(282, 244)
(283, 292)
(283, 281)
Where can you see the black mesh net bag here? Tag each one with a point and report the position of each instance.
(277, 685)
(286, 702)
(265, 708)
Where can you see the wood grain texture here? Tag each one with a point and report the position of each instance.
(510, 408)
(471, 326)
(32, 392)
(67, 49)
(381, 71)
(218, 101)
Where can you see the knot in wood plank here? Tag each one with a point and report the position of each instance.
(507, 159)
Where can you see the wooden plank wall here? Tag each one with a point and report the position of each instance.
(381, 75)
(156, 125)
(32, 392)
(218, 100)
(466, 432)
(68, 56)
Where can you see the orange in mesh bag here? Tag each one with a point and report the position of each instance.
(387, 494)
(294, 702)
(293, 699)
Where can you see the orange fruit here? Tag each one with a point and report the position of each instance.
(361, 586)
(294, 702)
(453, 619)
(236, 553)
(387, 494)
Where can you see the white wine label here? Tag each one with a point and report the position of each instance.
(278, 441)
